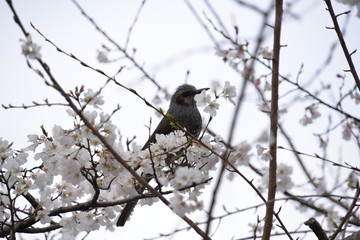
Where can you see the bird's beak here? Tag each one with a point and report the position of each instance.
(198, 91)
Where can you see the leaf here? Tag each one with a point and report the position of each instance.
(170, 117)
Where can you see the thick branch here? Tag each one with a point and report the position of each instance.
(316, 228)
(273, 122)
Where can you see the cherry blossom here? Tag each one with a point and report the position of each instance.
(30, 49)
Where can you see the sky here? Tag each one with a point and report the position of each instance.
(173, 48)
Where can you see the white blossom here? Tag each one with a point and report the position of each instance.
(92, 98)
(215, 85)
(182, 204)
(229, 92)
(202, 99)
(178, 204)
(306, 120)
(211, 108)
(232, 56)
(313, 109)
(284, 181)
(240, 154)
(260, 149)
(266, 53)
(220, 52)
(102, 57)
(185, 176)
(5, 149)
(43, 216)
(353, 180)
(30, 49)
(263, 152)
(333, 217)
(346, 132)
(314, 114)
(283, 178)
(68, 159)
(356, 97)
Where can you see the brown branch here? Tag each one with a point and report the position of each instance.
(316, 228)
(354, 236)
(112, 41)
(347, 215)
(239, 103)
(35, 104)
(297, 153)
(301, 88)
(103, 140)
(203, 25)
(52, 227)
(273, 121)
(23, 226)
(133, 23)
(342, 42)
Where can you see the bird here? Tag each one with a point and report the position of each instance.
(185, 112)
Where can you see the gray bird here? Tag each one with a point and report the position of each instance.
(183, 109)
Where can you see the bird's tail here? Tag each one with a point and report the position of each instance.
(126, 212)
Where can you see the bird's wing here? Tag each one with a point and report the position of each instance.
(164, 127)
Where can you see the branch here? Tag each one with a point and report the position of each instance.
(347, 215)
(239, 103)
(196, 15)
(296, 84)
(316, 228)
(354, 236)
(52, 227)
(123, 50)
(273, 122)
(103, 140)
(34, 104)
(133, 23)
(342, 42)
(23, 226)
(297, 153)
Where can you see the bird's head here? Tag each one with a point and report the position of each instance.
(184, 95)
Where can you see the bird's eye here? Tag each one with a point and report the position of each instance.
(186, 94)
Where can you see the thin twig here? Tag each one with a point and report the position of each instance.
(133, 24)
(307, 92)
(35, 104)
(342, 42)
(198, 18)
(123, 50)
(347, 215)
(103, 140)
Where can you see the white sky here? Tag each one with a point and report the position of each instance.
(165, 29)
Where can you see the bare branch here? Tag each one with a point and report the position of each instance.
(342, 41)
(347, 215)
(273, 121)
(123, 50)
(316, 228)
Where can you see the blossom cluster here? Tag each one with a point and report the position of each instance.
(30, 49)
(233, 56)
(203, 99)
(71, 166)
(311, 113)
(283, 178)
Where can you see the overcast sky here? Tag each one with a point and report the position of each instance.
(169, 42)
